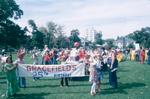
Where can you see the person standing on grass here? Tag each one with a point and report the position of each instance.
(132, 55)
(12, 85)
(43, 52)
(99, 64)
(142, 55)
(146, 57)
(20, 60)
(148, 54)
(46, 58)
(87, 64)
(54, 56)
(93, 75)
(113, 65)
(62, 59)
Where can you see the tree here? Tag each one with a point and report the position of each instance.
(32, 25)
(74, 37)
(11, 34)
(110, 43)
(9, 9)
(131, 45)
(62, 42)
(141, 36)
(37, 36)
(53, 34)
(98, 38)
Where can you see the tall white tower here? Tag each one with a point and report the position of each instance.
(90, 34)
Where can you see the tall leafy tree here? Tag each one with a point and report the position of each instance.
(53, 34)
(37, 36)
(74, 37)
(63, 42)
(11, 34)
(141, 36)
(98, 38)
(9, 9)
(110, 43)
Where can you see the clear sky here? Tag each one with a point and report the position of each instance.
(112, 17)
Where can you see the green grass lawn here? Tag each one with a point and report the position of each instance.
(133, 78)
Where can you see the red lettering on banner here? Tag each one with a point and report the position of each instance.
(44, 68)
(39, 69)
(33, 68)
(74, 67)
(52, 68)
(49, 69)
(68, 68)
(59, 68)
(28, 68)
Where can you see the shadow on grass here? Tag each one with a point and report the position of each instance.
(113, 91)
(52, 86)
(2, 77)
(3, 82)
(80, 85)
(73, 92)
(131, 85)
(48, 79)
(43, 86)
(85, 78)
(30, 96)
(121, 88)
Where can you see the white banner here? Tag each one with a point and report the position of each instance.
(55, 71)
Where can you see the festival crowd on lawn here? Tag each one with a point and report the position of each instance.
(96, 62)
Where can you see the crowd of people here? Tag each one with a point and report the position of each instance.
(96, 62)
(142, 55)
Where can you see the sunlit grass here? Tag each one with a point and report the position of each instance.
(133, 82)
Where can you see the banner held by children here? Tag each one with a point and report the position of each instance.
(55, 71)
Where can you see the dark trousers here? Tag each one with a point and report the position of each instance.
(22, 82)
(148, 60)
(137, 57)
(46, 63)
(113, 79)
(64, 80)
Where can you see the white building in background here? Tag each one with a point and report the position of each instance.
(122, 42)
(90, 34)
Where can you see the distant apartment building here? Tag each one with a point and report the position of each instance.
(90, 34)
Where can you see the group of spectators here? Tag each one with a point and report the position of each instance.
(96, 62)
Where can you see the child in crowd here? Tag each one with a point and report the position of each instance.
(93, 76)
(12, 85)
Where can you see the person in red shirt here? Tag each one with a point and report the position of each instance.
(82, 54)
(47, 58)
(142, 54)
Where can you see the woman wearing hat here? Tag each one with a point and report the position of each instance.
(12, 85)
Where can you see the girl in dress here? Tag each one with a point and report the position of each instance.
(12, 85)
(93, 76)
